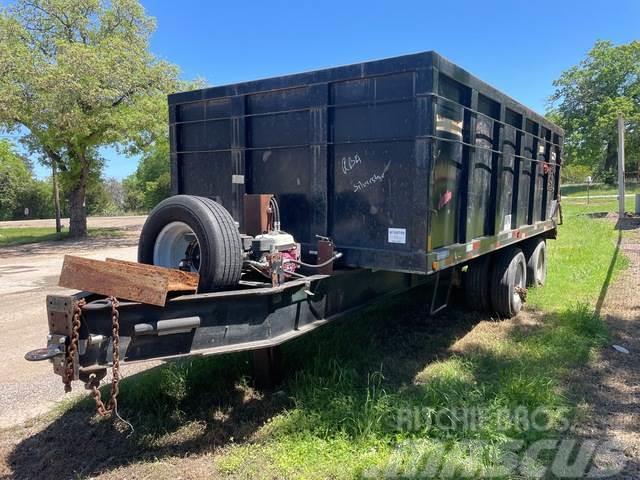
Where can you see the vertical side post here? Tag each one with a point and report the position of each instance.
(173, 150)
(620, 166)
(238, 157)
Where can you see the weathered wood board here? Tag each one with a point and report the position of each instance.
(179, 281)
(125, 280)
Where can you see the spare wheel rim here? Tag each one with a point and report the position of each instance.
(171, 245)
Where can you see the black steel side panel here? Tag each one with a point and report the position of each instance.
(393, 158)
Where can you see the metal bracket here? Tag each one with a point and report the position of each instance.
(433, 310)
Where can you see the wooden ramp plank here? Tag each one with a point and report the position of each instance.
(137, 283)
(179, 281)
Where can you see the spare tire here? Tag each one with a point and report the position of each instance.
(194, 234)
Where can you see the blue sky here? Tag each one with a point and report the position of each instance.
(519, 47)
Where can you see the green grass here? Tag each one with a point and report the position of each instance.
(361, 398)
(599, 189)
(24, 235)
(582, 259)
(345, 402)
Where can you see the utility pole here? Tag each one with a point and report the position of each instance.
(620, 166)
(56, 196)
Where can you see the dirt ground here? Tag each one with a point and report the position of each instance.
(27, 274)
(609, 388)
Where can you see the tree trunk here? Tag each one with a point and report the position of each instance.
(77, 208)
(611, 158)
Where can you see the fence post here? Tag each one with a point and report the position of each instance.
(620, 166)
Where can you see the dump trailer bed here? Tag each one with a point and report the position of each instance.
(408, 164)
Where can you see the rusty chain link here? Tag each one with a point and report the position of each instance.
(112, 404)
(73, 346)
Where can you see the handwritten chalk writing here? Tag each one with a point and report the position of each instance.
(375, 178)
(349, 163)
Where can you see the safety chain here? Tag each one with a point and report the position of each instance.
(112, 404)
(73, 346)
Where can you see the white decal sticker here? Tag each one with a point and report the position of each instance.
(507, 223)
(397, 235)
(237, 179)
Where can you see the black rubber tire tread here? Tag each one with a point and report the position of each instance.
(475, 283)
(531, 250)
(503, 279)
(220, 244)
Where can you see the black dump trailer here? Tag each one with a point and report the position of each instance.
(405, 163)
(301, 198)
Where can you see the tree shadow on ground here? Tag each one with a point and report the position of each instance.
(631, 222)
(209, 404)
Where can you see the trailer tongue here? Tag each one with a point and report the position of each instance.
(89, 333)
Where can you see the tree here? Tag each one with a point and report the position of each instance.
(15, 180)
(76, 75)
(115, 191)
(151, 182)
(19, 190)
(590, 96)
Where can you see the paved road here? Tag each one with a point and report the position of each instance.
(27, 274)
(92, 222)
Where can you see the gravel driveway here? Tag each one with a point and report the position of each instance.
(27, 274)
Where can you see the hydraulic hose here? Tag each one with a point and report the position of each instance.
(319, 265)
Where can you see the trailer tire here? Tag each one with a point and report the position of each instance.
(535, 251)
(475, 283)
(173, 224)
(508, 277)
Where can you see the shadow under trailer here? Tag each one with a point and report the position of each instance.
(302, 198)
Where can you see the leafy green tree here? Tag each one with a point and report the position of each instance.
(76, 75)
(133, 195)
(588, 99)
(151, 181)
(38, 198)
(15, 180)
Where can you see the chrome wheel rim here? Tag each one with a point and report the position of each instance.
(177, 246)
(518, 285)
(540, 267)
